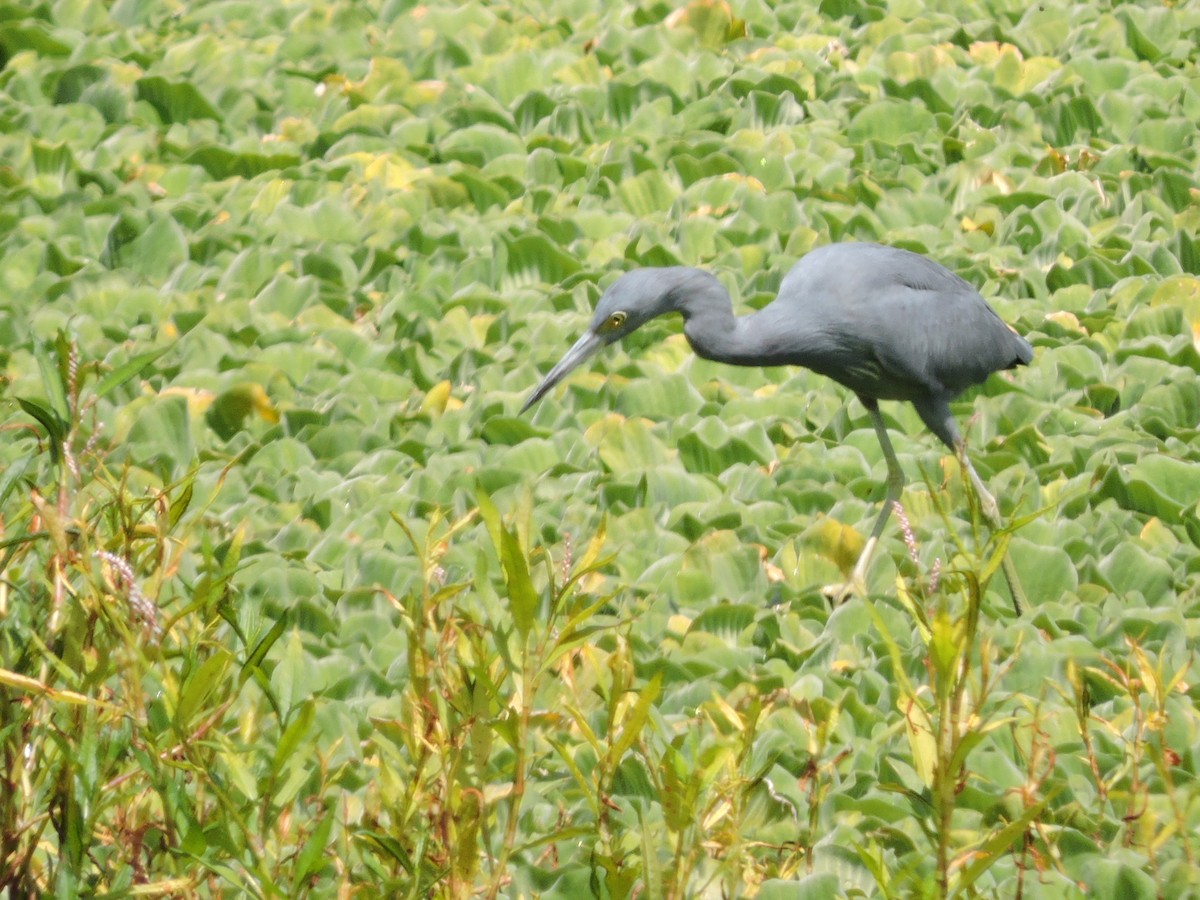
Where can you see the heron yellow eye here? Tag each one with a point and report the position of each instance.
(616, 320)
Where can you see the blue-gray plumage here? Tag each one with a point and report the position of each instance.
(887, 323)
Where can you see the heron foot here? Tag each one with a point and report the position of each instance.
(837, 594)
(991, 512)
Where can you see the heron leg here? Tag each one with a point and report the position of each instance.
(991, 512)
(857, 583)
(987, 503)
(935, 413)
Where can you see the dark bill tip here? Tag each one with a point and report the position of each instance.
(583, 350)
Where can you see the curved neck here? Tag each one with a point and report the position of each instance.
(710, 326)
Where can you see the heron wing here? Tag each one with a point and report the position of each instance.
(891, 324)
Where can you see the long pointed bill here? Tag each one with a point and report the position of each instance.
(583, 350)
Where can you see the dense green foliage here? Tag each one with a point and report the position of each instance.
(292, 602)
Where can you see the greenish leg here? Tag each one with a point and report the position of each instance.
(991, 512)
(857, 584)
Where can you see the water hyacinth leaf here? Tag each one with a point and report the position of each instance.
(484, 192)
(674, 488)
(229, 411)
(714, 24)
(711, 447)
(647, 194)
(158, 250)
(1151, 32)
(1130, 569)
(221, 162)
(74, 82)
(175, 101)
(842, 544)
(481, 143)
(668, 397)
(531, 110)
(507, 431)
(1113, 879)
(692, 170)
(52, 159)
(1047, 573)
(627, 445)
(726, 620)
(533, 259)
(124, 231)
(248, 272)
(1159, 485)
(890, 122)
(31, 34)
(1166, 408)
(1184, 293)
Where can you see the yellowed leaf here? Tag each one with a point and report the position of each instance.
(1067, 320)
(198, 400)
(839, 543)
(436, 398)
(969, 224)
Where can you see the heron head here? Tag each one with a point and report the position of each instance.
(632, 300)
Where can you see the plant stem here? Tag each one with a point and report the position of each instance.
(518, 788)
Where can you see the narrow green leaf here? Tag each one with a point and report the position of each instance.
(996, 559)
(585, 786)
(482, 690)
(636, 720)
(259, 653)
(181, 500)
(581, 722)
(296, 731)
(652, 874)
(595, 545)
(56, 428)
(12, 475)
(127, 370)
(572, 637)
(581, 572)
(874, 864)
(944, 648)
(491, 518)
(196, 690)
(522, 595)
(312, 858)
(384, 844)
(52, 364)
(973, 739)
(999, 843)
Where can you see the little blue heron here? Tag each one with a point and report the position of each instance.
(887, 323)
